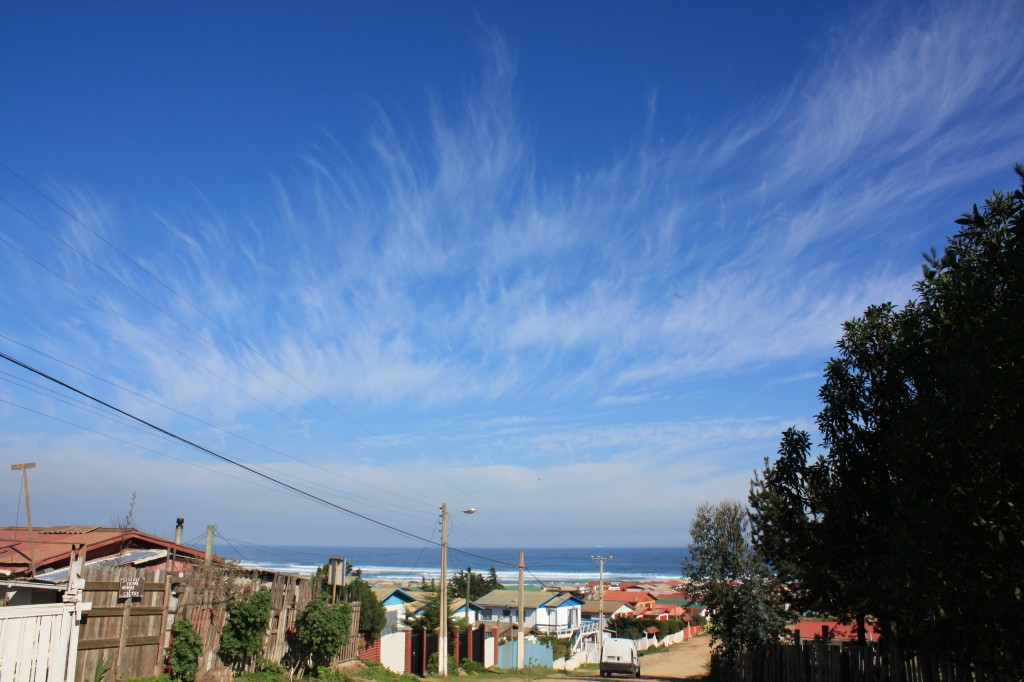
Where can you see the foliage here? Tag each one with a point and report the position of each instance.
(245, 630)
(742, 596)
(471, 667)
(559, 645)
(321, 629)
(101, 670)
(479, 584)
(328, 675)
(914, 510)
(631, 627)
(434, 660)
(372, 614)
(185, 650)
(429, 617)
(378, 673)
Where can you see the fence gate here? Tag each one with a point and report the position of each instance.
(39, 643)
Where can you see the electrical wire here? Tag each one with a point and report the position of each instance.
(196, 308)
(222, 457)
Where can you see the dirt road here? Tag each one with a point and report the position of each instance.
(686, 661)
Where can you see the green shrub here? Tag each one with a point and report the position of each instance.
(472, 667)
(320, 631)
(246, 627)
(378, 673)
(184, 652)
(433, 661)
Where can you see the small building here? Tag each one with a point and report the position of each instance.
(554, 613)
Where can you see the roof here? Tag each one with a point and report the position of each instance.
(628, 596)
(51, 547)
(809, 629)
(531, 600)
(594, 606)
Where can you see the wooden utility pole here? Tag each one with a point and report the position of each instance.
(521, 649)
(28, 513)
(600, 609)
(442, 638)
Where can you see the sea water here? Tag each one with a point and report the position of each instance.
(410, 564)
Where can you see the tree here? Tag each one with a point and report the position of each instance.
(320, 631)
(245, 629)
(372, 614)
(479, 584)
(742, 596)
(429, 617)
(914, 511)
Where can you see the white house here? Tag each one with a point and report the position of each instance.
(555, 613)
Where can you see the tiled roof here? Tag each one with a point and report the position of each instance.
(498, 598)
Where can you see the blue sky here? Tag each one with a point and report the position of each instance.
(576, 265)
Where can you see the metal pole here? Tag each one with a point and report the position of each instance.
(442, 640)
(600, 609)
(521, 649)
(28, 513)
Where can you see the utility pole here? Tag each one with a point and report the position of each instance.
(442, 640)
(209, 544)
(28, 513)
(521, 649)
(600, 609)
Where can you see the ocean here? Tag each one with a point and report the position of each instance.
(405, 564)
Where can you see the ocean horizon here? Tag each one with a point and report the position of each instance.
(544, 565)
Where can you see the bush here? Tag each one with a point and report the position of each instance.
(184, 652)
(246, 627)
(320, 631)
(472, 667)
(378, 673)
(433, 661)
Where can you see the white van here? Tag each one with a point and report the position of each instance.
(620, 657)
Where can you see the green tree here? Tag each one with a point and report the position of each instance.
(742, 596)
(479, 584)
(914, 511)
(184, 652)
(372, 614)
(245, 630)
(321, 629)
(429, 616)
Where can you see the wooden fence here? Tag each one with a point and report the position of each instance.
(128, 628)
(815, 662)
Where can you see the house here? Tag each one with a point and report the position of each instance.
(49, 549)
(591, 609)
(836, 632)
(637, 599)
(554, 613)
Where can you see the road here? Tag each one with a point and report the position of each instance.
(685, 661)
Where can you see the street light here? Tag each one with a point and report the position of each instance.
(442, 638)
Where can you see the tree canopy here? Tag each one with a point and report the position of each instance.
(913, 511)
(726, 573)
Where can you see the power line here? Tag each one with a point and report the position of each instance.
(231, 461)
(196, 308)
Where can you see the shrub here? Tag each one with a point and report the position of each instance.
(245, 629)
(472, 667)
(184, 652)
(320, 631)
(433, 661)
